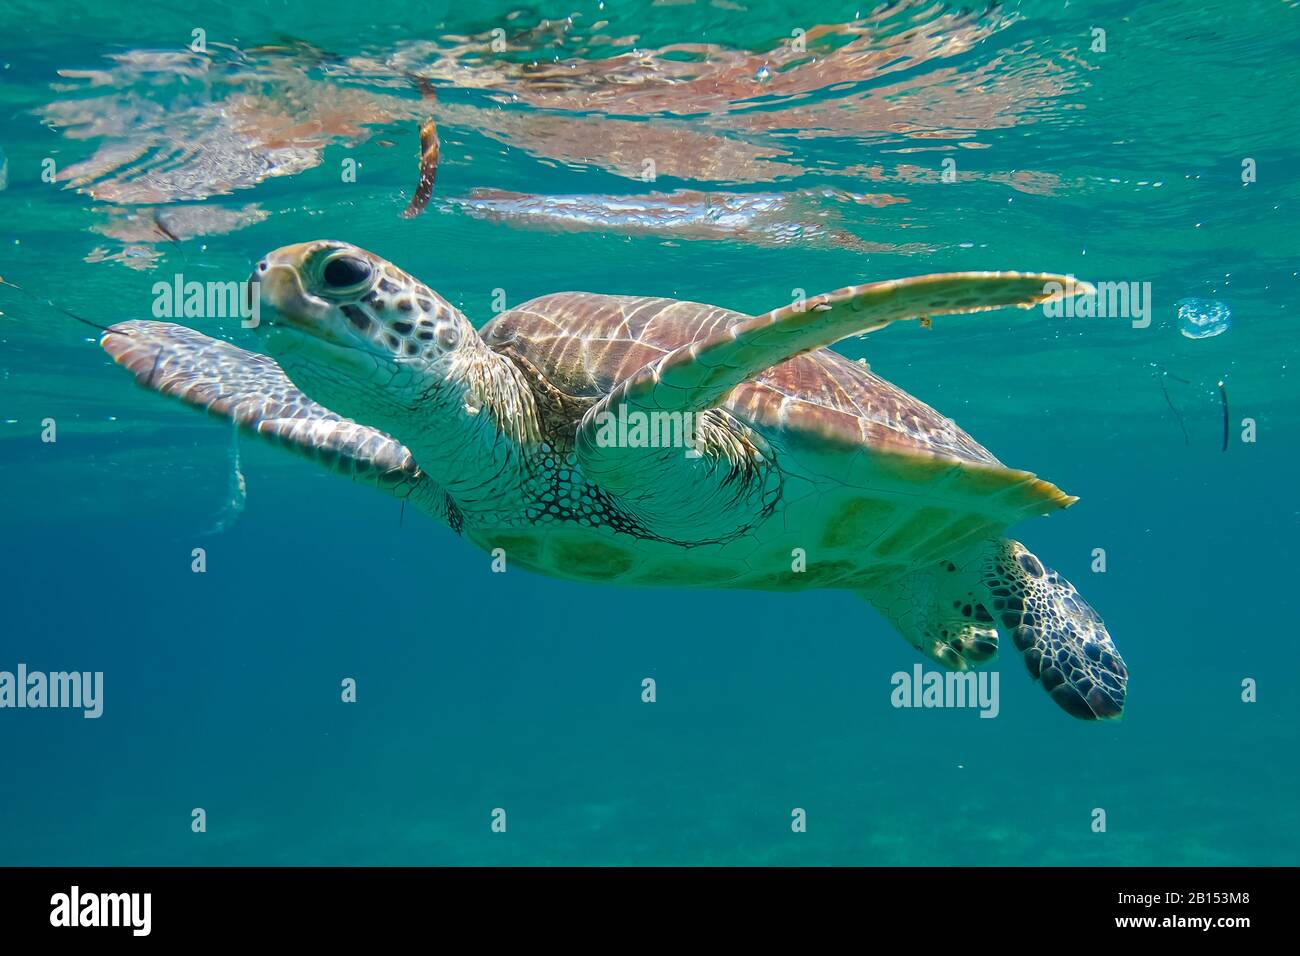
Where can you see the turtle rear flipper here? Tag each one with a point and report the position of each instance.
(1066, 646)
(252, 391)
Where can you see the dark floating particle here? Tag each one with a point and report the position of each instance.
(58, 308)
(1160, 377)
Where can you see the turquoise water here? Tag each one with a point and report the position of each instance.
(479, 691)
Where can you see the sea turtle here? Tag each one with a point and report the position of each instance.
(659, 442)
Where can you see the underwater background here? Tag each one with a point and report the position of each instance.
(1114, 156)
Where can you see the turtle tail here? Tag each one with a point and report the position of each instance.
(1066, 646)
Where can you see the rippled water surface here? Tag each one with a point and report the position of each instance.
(724, 152)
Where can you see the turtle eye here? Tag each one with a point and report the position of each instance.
(345, 272)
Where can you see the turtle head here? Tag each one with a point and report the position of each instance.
(356, 333)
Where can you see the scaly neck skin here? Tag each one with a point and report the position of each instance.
(473, 429)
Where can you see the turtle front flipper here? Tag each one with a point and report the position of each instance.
(252, 391)
(1066, 646)
(699, 375)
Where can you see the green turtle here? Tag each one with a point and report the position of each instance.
(649, 441)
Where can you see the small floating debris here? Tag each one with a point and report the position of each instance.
(4, 169)
(237, 492)
(763, 74)
(428, 170)
(1161, 375)
(429, 150)
(1203, 318)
